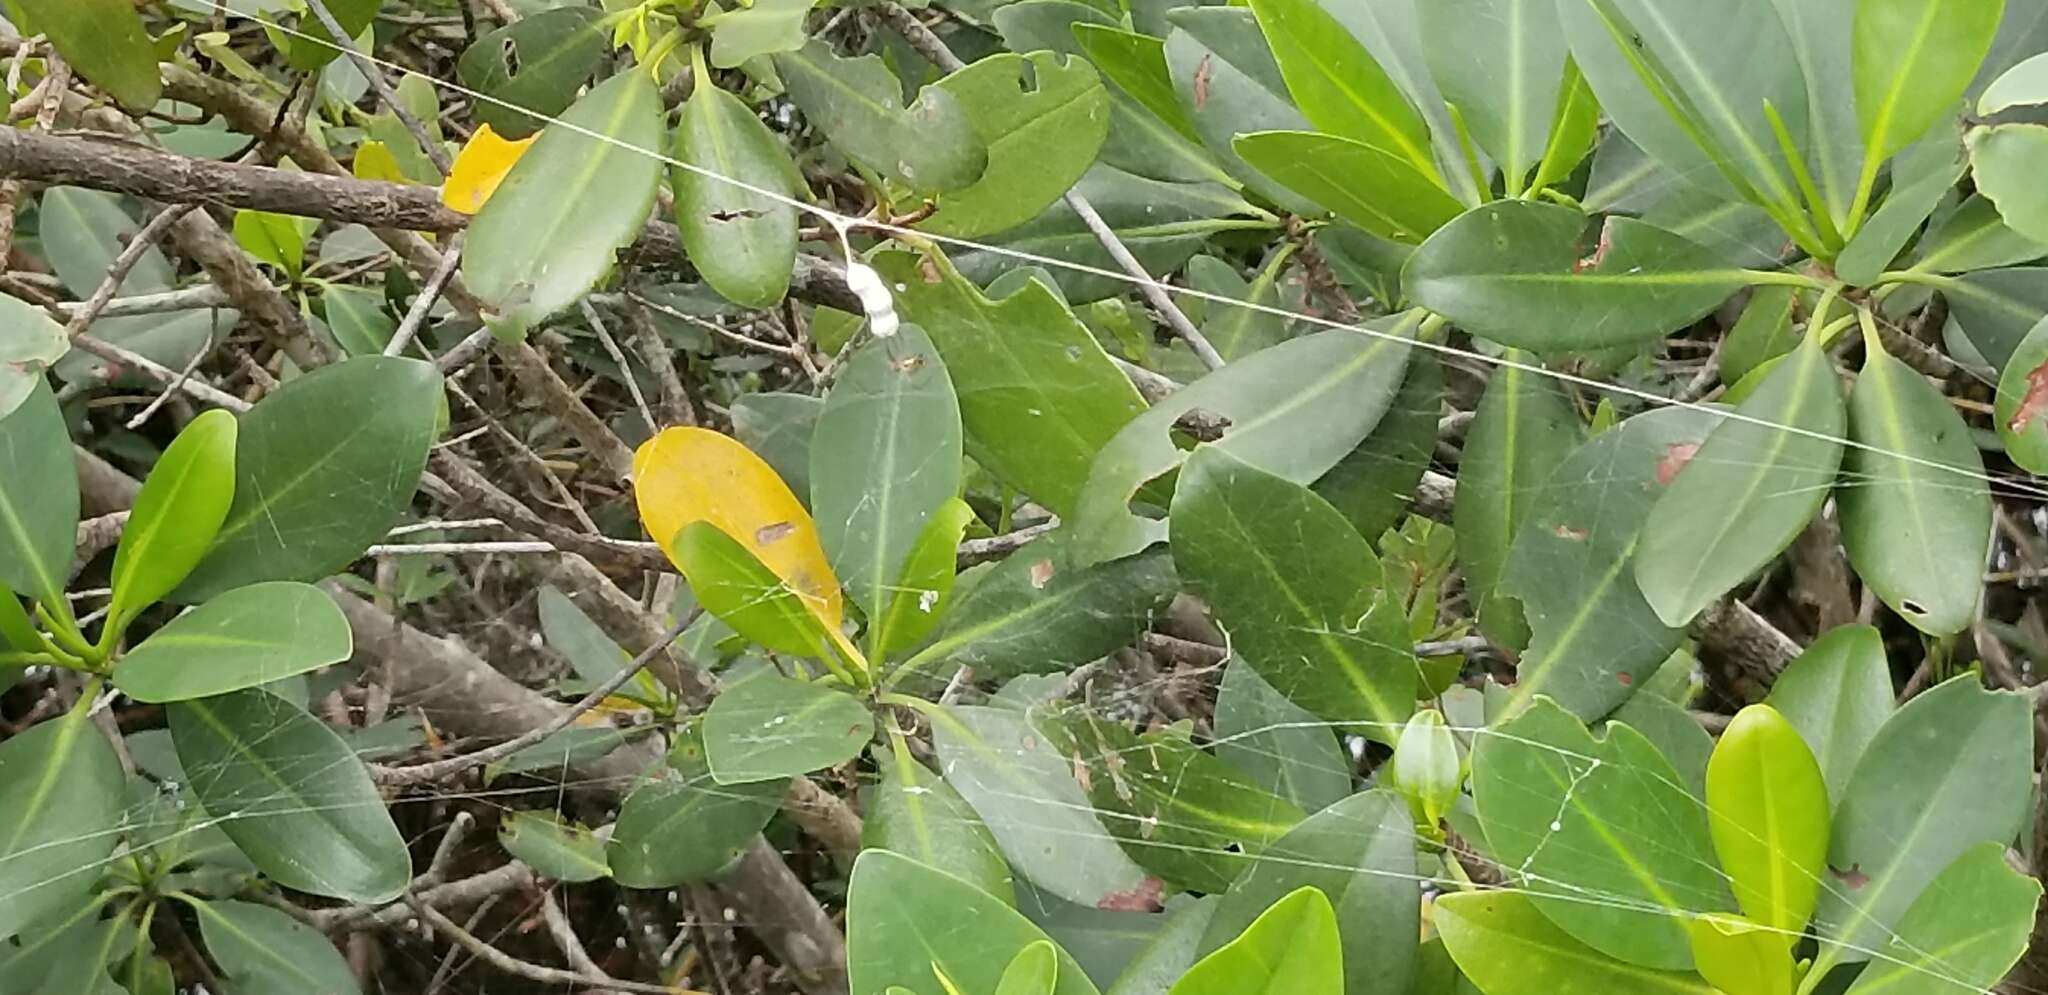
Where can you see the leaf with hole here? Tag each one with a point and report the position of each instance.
(532, 69)
(1041, 136)
(741, 240)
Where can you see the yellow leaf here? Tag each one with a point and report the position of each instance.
(686, 475)
(374, 161)
(479, 168)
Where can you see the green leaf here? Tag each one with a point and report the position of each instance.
(1826, 54)
(929, 145)
(1033, 613)
(1571, 814)
(1293, 411)
(1837, 693)
(584, 189)
(1372, 485)
(765, 27)
(1278, 744)
(38, 497)
(923, 592)
(591, 653)
(1034, 971)
(2021, 407)
(2001, 158)
(357, 320)
(1291, 949)
(1360, 855)
(1595, 638)
(177, 514)
(742, 592)
(1169, 953)
(778, 428)
(1748, 491)
(1229, 84)
(1524, 428)
(1038, 813)
(1973, 237)
(1501, 63)
(247, 637)
(915, 812)
(104, 41)
(1995, 309)
(1040, 138)
(324, 466)
(1338, 85)
(277, 239)
(1922, 177)
(61, 799)
(532, 69)
(680, 827)
(30, 343)
(1767, 809)
(1180, 812)
(1136, 63)
(1915, 510)
(260, 949)
(1363, 184)
(1299, 591)
(1038, 396)
(885, 459)
(314, 46)
(556, 850)
(1635, 284)
(741, 241)
(1965, 931)
(291, 795)
(908, 922)
(1949, 771)
(1573, 134)
(770, 727)
(1738, 955)
(1763, 333)
(1912, 60)
(562, 752)
(1506, 946)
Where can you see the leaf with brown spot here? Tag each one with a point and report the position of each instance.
(2022, 403)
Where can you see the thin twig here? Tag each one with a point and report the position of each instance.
(189, 384)
(433, 149)
(423, 305)
(444, 852)
(435, 770)
(532, 972)
(611, 348)
(204, 297)
(184, 376)
(117, 271)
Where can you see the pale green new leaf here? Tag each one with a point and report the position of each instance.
(1506, 946)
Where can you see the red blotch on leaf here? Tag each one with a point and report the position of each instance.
(1041, 574)
(1853, 877)
(768, 534)
(1202, 83)
(1143, 898)
(1571, 533)
(1675, 459)
(2035, 404)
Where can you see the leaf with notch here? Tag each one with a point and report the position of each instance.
(1040, 140)
(930, 144)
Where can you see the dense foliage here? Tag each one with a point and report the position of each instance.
(1157, 497)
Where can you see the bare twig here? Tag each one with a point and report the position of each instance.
(423, 305)
(532, 972)
(382, 87)
(117, 272)
(611, 348)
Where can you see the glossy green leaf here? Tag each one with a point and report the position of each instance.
(1360, 855)
(1500, 62)
(104, 41)
(249, 636)
(742, 592)
(1595, 639)
(1136, 63)
(1996, 308)
(1748, 491)
(1299, 591)
(1826, 51)
(1039, 814)
(1338, 85)
(923, 593)
(1034, 613)
(1973, 237)
(1038, 396)
(38, 497)
(1181, 813)
(1912, 61)
(1292, 948)
(1040, 138)
(1837, 693)
(324, 466)
(1229, 84)
(291, 795)
(741, 241)
(1525, 426)
(2002, 158)
(177, 514)
(2021, 407)
(30, 343)
(885, 458)
(1572, 812)
(1670, 727)
(1914, 505)
(1965, 931)
(1363, 184)
(277, 239)
(929, 144)
(1767, 809)
(1911, 808)
(357, 320)
(1636, 283)
(908, 922)
(771, 727)
(1373, 484)
(1763, 333)
(1573, 135)
(532, 68)
(1034, 971)
(1279, 745)
(679, 827)
(762, 28)
(556, 850)
(1506, 946)
(1293, 411)
(260, 949)
(915, 812)
(579, 194)
(1738, 955)
(61, 798)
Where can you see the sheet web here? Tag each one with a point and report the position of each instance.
(1580, 766)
